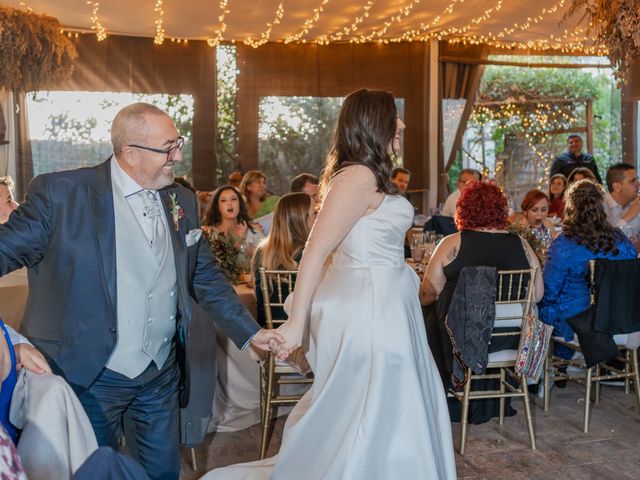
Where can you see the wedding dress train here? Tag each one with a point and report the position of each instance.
(377, 407)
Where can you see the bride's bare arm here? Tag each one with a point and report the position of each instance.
(351, 194)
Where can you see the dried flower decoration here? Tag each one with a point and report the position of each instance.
(616, 25)
(33, 50)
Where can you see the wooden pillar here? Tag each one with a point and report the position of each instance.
(629, 114)
(434, 107)
(589, 123)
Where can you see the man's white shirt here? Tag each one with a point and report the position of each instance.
(615, 211)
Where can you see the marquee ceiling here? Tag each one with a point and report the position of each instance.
(257, 21)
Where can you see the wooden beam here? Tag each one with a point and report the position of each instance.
(480, 61)
(495, 103)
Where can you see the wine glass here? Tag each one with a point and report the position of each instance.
(418, 247)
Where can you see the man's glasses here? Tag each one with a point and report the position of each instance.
(167, 151)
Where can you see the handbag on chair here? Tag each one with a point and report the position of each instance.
(534, 344)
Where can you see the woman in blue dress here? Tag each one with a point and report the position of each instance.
(8, 371)
(586, 235)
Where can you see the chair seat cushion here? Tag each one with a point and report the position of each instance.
(503, 356)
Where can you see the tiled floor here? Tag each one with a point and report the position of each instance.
(611, 450)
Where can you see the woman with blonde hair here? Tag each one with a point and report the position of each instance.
(254, 190)
(282, 249)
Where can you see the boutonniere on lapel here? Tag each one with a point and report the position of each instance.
(176, 210)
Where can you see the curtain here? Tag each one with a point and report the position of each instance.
(24, 160)
(460, 74)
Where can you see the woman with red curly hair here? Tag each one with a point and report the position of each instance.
(482, 240)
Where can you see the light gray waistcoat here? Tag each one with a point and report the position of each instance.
(146, 294)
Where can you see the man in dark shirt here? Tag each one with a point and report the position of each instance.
(574, 158)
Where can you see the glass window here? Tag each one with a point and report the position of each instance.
(72, 129)
(294, 135)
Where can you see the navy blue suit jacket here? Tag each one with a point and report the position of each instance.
(64, 233)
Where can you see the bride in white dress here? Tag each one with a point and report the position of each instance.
(377, 409)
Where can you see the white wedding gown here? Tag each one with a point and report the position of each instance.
(377, 408)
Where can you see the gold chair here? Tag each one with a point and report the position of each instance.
(275, 286)
(514, 303)
(556, 367)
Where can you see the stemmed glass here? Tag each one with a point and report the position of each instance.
(418, 247)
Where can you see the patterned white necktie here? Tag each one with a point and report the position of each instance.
(158, 231)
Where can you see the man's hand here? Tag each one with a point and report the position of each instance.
(264, 338)
(634, 209)
(28, 357)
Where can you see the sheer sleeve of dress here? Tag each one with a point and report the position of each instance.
(350, 195)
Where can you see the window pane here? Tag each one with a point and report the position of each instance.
(72, 129)
(294, 136)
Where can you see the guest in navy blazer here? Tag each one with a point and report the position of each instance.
(83, 235)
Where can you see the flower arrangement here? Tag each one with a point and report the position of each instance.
(33, 50)
(616, 24)
(534, 242)
(227, 250)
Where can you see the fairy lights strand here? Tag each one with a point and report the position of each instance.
(308, 24)
(159, 11)
(378, 34)
(411, 35)
(217, 38)
(96, 26)
(336, 37)
(486, 15)
(264, 36)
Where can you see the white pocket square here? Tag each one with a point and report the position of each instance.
(193, 236)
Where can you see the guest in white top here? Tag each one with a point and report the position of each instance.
(467, 177)
(622, 204)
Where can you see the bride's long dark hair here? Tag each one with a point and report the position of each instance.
(364, 134)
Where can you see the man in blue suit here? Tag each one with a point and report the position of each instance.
(121, 283)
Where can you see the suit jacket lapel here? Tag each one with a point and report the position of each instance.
(177, 236)
(103, 218)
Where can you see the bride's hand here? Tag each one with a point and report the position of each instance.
(292, 337)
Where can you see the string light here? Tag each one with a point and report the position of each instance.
(534, 124)
(217, 38)
(159, 38)
(336, 37)
(264, 36)
(378, 34)
(25, 6)
(308, 24)
(411, 35)
(96, 26)
(486, 15)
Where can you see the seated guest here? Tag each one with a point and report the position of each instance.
(282, 249)
(581, 173)
(400, 178)
(535, 206)
(306, 183)
(227, 216)
(586, 234)
(7, 201)
(621, 203)
(254, 190)
(468, 176)
(482, 240)
(557, 186)
(235, 178)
